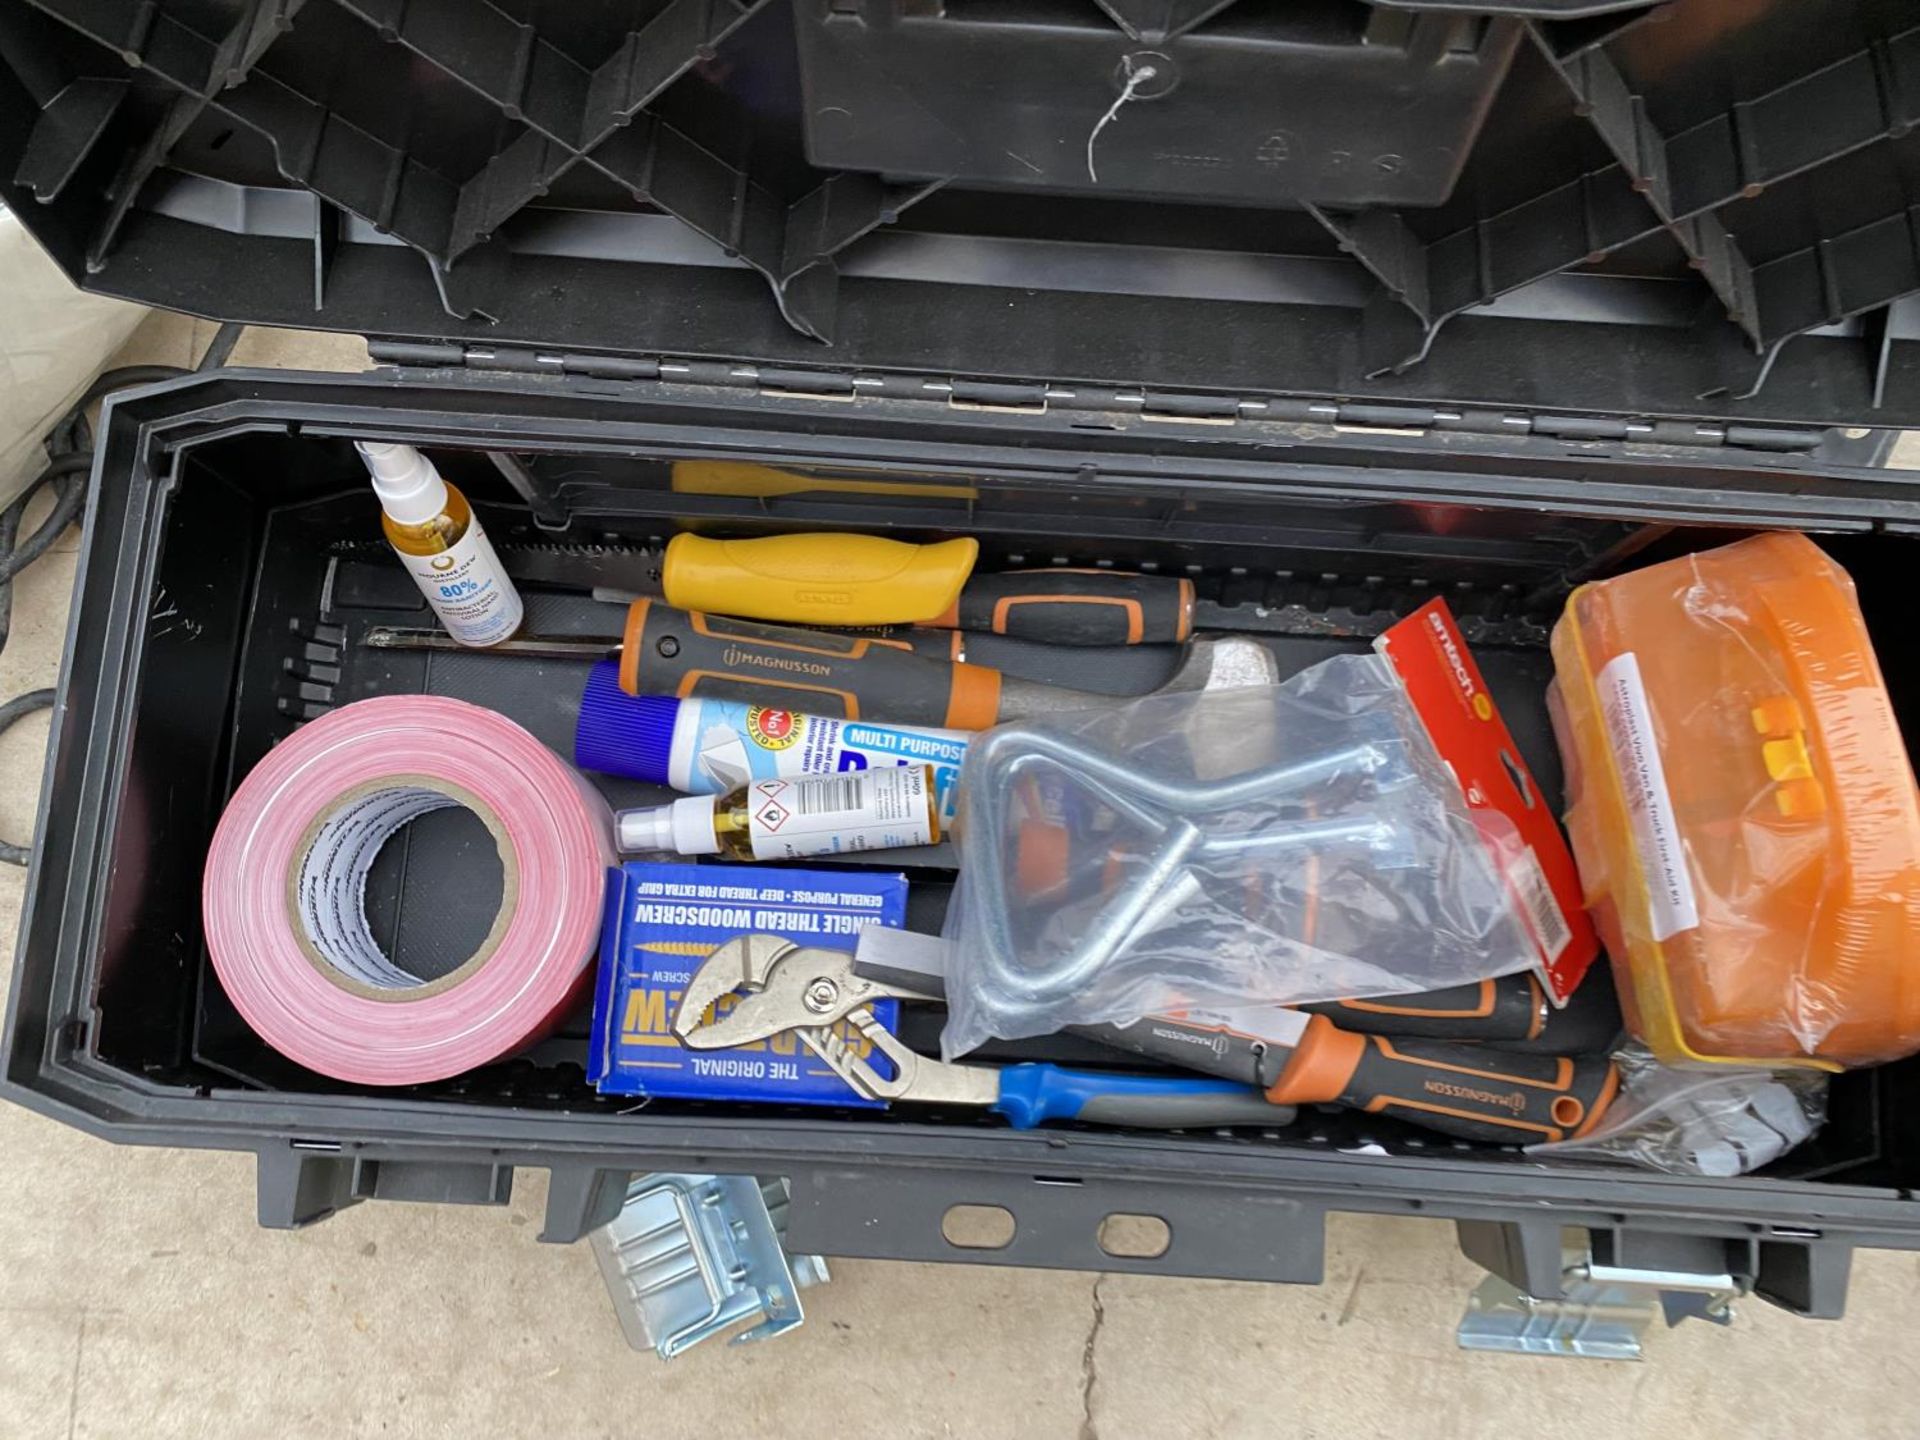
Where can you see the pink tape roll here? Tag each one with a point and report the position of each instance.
(286, 876)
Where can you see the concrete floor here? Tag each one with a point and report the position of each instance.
(137, 1298)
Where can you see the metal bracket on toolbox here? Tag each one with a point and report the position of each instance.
(690, 1256)
(1803, 1271)
(1602, 1312)
(1600, 1296)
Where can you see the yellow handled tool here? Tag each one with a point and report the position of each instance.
(818, 579)
(862, 581)
(866, 580)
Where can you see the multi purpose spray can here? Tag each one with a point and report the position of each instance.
(711, 747)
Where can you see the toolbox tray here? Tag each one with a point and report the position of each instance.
(212, 620)
(1326, 405)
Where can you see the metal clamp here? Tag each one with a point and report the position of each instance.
(1167, 809)
(690, 1256)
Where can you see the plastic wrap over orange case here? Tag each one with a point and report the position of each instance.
(1742, 808)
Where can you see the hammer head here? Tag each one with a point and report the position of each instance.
(1224, 664)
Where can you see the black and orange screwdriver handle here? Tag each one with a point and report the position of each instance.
(668, 651)
(1513, 1007)
(1469, 1092)
(1075, 607)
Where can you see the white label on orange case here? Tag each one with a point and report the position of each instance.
(1656, 834)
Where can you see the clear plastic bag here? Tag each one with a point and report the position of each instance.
(1273, 844)
(1715, 1122)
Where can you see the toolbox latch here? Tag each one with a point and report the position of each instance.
(1606, 1303)
(692, 1256)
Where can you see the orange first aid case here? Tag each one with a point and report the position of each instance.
(1742, 808)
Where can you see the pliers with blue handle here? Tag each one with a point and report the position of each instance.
(781, 987)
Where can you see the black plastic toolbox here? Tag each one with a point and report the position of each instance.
(600, 239)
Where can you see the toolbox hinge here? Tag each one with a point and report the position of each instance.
(512, 359)
(1077, 402)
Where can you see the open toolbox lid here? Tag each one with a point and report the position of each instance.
(1693, 209)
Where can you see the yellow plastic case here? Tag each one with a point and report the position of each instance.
(1742, 808)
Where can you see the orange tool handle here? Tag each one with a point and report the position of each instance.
(1510, 1008)
(1076, 607)
(1472, 1093)
(668, 651)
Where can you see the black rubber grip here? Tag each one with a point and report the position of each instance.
(1186, 1112)
(1207, 1049)
(1078, 607)
(1588, 1024)
(1476, 1093)
(1096, 669)
(678, 652)
(1510, 1008)
(920, 639)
